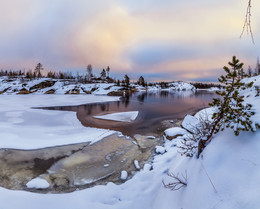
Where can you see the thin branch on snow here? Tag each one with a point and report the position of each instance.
(178, 183)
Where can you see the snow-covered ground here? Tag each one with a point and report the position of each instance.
(226, 177)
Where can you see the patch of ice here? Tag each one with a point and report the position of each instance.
(120, 116)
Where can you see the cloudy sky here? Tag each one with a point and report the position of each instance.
(162, 40)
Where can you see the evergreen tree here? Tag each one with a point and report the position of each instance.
(141, 81)
(127, 81)
(250, 71)
(37, 70)
(89, 73)
(257, 68)
(232, 112)
(103, 74)
(108, 70)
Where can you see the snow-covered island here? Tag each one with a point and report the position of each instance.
(22, 85)
(226, 176)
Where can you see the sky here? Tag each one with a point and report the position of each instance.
(188, 40)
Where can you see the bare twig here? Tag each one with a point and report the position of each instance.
(189, 144)
(247, 22)
(178, 183)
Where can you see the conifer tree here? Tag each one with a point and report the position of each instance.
(38, 69)
(231, 111)
(141, 81)
(127, 81)
(103, 74)
(107, 71)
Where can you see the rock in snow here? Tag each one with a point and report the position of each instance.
(38, 183)
(190, 122)
(136, 163)
(174, 132)
(147, 167)
(123, 175)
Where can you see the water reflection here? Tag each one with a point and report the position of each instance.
(153, 107)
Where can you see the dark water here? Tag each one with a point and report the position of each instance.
(153, 107)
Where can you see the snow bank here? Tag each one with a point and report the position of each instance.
(120, 116)
(24, 128)
(228, 173)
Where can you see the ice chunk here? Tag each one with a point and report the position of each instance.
(120, 116)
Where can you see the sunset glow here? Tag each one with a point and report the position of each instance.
(168, 40)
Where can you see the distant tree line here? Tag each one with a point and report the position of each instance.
(89, 76)
(205, 85)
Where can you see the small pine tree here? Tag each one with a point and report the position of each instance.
(89, 73)
(108, 70)
(250, 73)
(257, 68)
(103, 74)
(232, 112)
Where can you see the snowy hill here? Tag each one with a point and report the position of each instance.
(228, 174)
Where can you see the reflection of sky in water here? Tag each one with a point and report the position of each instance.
(153, 107)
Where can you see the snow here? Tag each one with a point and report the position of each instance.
(205, 114)
(181, 86)
(38, 183)
(24, 128)
(189, 122)
(123, 175)
(160, 149)
(175, 131)
(120, 116)
(147, 167)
